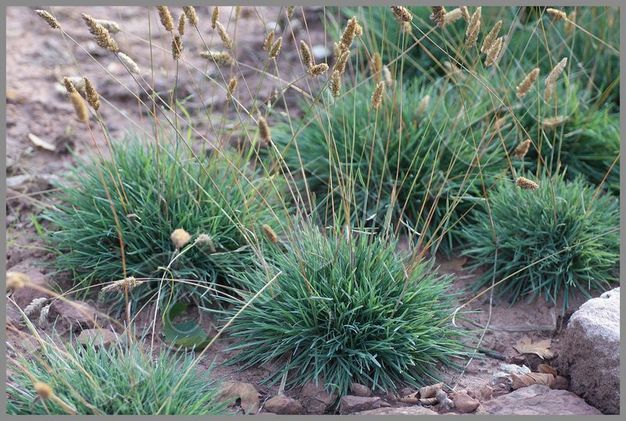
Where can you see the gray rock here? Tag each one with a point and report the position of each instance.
(350, 404)
(74, 315)
(538, 400)
(407, 410)
(590, 352)
(97, 337)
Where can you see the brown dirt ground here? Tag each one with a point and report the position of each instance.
(37, 59)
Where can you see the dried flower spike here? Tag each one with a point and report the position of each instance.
(307, 57)
(264, 129)
(342, 61)
(180, 238)
(166, 18)
(465, 13)
(102, 35)
(556, 71)
(190, 13)
(228, 43)
(452, 16)
(491, 37)
(123, 284)
(438, 15)
(318, 69)
(215, 15)
(377, 96)
(50, 20)
(402, 14)
(129, 63)
(526, 184)
(377, 66)
(232, 85)
(93, 99)
(553, 122)
(556, 13)
(522, 149)
(69, 85)
(473, 28)
(109, 25)
(79, 107)
(387, 76)
(494, 52)
(269, 40)
(275, 49)
(348, 34)
(43, 390)
(269, 233)
(181, 25)
(219, 57)
(177, 46)
(335, 83)
(527, 82)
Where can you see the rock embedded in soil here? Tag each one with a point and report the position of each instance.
(284, 405)
(590, 352)
(36, 281)
(74, 315)
(350, 404)
(538, 400)
(315, 399)
(360, 390)
(464, 403)
(97, 337)
(246, 393)
(406, 410)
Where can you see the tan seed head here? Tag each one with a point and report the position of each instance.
(101, 34)
(275, 49)
(553, 122)
(129, 63)
(377, 96)
(402, 14)
(79, 107)
(522, 149)
(491, 37)
(109, 25)
(215, 15)
(348, 33)
(264, 129)
(219, 57)
(180, 238)
(305, 53)
(190, 13)
(335, 83)
(269, 233)
(527, 82)
(43, 390)
(269, 40)
(438, 15)
(181, 25)
(526, 184)
(232, 85)
(93, 99)
(166, 18)
(318, 69)
(228, 43)
(452, 16)
(50, 20)
(473, 28)
(556, 13)
(177, 46)
(494, 52)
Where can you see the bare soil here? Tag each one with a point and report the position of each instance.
(37, 59)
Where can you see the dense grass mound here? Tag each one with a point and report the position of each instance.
(420, 161)
(142, 195)
(119, 380)
(552, 241)
(342, 311)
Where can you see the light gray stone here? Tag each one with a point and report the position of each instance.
(406, 410)
(538, 400)
(590, 352)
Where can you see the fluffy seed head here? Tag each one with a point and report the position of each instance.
(377, 96)
(452, 16)
(69, 85)
(526, 184)
(556, 13)
(438, 15)
(269, 40)
(129, 63)
(123, 284)
(307, 57)
(522, 149)
(50, 20)
(494, 52)
(342, 61)
(348, 33)
(527, 82)
(219, 57)
(205, 240)
(92, 95)
(228, 43)
(402, 14)
(275, 49)
(190, 13)
(16, 280)
(79, 107)
(335, 83)
(318, 69)
(556, 71)
(34, 306)
(264, 129)
(177, 46)
(101, 34)
(490, 37)
(387, 76)
(553, 122)
(166, 18)
(232, 85)
(215, 15)
(269, 233)
(180, 238)
(43, 390)
(473, 28)
(181, 24)
(109, 25)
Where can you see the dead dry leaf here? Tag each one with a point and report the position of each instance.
(539, 348)
(430, 391)
(546, 368)
(411, 399)
(529, 379)
(37, 141)
(232, 391)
